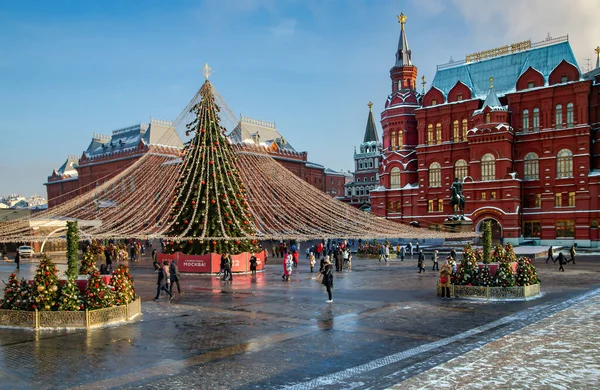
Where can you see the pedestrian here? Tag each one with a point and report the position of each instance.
(155, 260)
(562, 260)
(453, 254)
(573, 253)
(295, 258)
(142, 250)
(445, 277)
(421, 261)
(387, 252)
(328, 279)
(435, 261)
(339, 260)
(132, 253)
(161, 284)
(108, 259)
(417, 247)
(349, 263)
(381, 253)
(253, 262)
(322, 263)
(346, 254)
(222, 266)
(410, 249)
(288, 267)
(18, 259)
(228, 265)
(312, 261)
(550, 255)
(273, 249)
(402, 253)
(174, 276)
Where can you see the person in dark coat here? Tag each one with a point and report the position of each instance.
(174, 276)
(421, 261)
(155, 260)
(573, 253)
(18, 259)
(161, 284)
(108, 258)
(550, 255)
(253, 262)
(562, 260)
(453, 254)
(228, 264)
(322, 263)
(328, 279)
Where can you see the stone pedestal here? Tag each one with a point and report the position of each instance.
(458, 226)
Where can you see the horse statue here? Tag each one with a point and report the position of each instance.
(457, 200)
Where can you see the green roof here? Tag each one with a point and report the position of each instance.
(505, 69)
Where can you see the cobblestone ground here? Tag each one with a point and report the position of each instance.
(385, 328)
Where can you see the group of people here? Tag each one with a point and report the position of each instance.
(561, 258)
(168, 275)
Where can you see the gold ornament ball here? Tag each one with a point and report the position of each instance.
(40, 288)
(47, 307)
(54, 288)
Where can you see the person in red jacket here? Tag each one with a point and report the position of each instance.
(295, 257)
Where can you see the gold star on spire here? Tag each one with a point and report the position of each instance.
(597, 50)
(491, 82)
(402, 19)
(370, 105)
(206, 71)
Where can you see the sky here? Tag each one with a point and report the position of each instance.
(71, 69)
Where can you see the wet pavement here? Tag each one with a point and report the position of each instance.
(385, 328)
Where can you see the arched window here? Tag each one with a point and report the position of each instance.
(455, 131)
(435, 175)
(525, 121)
(460, 170)
(393, 139)
(438, 133)
(570, 121)
(488, 118)
(488, 167)
(564, 163)
(400, 138)
(532, 166)
(430, 134)
(465, 127)
(395, 178)
(371, 163)
(536, 119)
(559, 117)
(360, 165)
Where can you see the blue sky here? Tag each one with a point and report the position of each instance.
(70, 69)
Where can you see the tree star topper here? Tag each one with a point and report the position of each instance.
(206, 71)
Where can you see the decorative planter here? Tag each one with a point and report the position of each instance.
(211, 262)
(518, 292)
(69, 319)
(493, 267)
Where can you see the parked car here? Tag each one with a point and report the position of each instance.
(25, 251)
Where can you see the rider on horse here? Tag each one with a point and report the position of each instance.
(457, 200)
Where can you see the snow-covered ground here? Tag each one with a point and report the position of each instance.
(558, 352)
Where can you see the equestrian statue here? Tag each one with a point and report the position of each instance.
(457, 201)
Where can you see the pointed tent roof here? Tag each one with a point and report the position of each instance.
(371, 130)
(491, 99)
(403, 53)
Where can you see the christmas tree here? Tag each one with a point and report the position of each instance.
(72, 249)
(484, 277)
(11, 293)
(509, 253)
(498, 255)
(97, 294)
(88, 263)
(45, 285)
(467, 274)
(210, 205)
(122, 281)
(526, 273)
(25, 300)
(70, 297)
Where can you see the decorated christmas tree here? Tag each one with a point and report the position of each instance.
(526, 273)
(484, 277)
(498, 254)
(504, 276)
(88, 263)
(97, 294)
(122, 281)
(11, 293)
(70, 297)
(467, 273)
(509, 253)
(45, 285)
(25, 300)
(72, 249)
(210, 210)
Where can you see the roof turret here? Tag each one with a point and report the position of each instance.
(403, 53)
(491, 99)
(371, 130)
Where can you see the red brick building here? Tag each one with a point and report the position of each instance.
(516, 124)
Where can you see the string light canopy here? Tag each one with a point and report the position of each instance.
(209, 196)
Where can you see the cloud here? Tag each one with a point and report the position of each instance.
(518, 20)
(285, 27)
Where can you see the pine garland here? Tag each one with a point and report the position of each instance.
(72, 249)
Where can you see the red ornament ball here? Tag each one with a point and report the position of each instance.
(213, 201)
(191, 241)
(214, 243)
(210, 162)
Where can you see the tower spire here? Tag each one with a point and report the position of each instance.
(371, 130)
(403, 53)
(597, 50)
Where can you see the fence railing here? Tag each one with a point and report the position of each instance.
(69, 319)
(517, 292)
